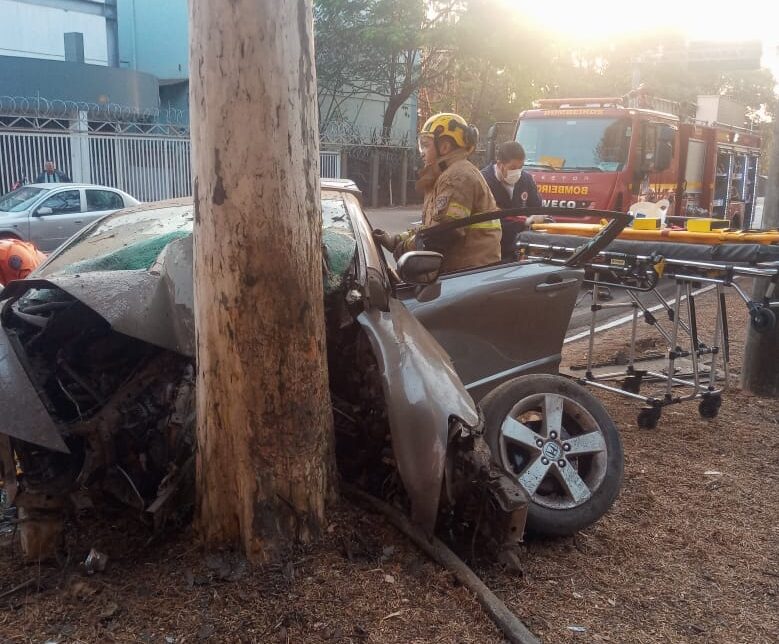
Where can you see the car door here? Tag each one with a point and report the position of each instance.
(101, 202)
(499, 322)
(56, 218)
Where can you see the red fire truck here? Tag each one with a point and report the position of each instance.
(609, 153)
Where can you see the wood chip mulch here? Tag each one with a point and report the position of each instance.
(689, 553)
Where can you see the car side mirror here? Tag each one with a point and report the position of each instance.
(420, 267)
(43, 210)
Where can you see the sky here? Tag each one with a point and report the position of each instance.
(710, 20)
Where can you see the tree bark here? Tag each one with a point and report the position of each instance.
(264, 426)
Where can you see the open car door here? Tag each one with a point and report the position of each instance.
(505, 320)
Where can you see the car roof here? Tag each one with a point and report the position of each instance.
(70, 185)
(337, 185)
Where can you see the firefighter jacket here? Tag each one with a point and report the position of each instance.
(17, 259)
(454, 188)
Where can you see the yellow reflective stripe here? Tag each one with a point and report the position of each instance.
(456, 210)
(492, 224)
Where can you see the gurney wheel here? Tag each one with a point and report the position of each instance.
(648, 417)
(763, 319)
(631, 384)
(709, 406)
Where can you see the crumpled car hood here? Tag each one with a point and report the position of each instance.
(156, 305)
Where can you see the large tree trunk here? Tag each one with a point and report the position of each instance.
(264, 468)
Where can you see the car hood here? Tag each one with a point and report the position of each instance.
(155, 305)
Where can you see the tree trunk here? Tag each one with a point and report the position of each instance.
(264, 468)
(393, 105)
(760, 372)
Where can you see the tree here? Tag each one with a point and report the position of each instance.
(388, 48)
(339, 27)
(264, 469)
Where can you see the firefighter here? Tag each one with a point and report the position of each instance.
(512, 187)
(453, 188)
(17, 259)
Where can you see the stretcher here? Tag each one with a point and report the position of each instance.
(714, 237)
(637, 268)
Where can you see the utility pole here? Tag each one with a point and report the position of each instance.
(264, 425)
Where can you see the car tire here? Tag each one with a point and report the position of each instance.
(572, 470)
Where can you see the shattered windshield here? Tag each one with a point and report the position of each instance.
(338, 243)
(133, 240)
(563, 144)
(125, 241)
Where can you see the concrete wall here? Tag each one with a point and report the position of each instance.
(52, 79)
(36, 31)
(154, 37)
(366, 114)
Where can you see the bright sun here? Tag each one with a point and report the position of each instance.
(713, 20)
(698, 19)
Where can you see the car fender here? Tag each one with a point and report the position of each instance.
(422, 393)
(16, 233)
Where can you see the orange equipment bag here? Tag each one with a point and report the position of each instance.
(18, 259)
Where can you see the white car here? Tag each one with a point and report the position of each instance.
(49, 213)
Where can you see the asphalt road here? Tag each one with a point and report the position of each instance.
(396, 220)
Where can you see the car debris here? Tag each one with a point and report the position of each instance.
(96, 561)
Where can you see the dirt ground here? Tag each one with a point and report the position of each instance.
(689, 553)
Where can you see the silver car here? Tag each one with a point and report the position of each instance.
(49, 213)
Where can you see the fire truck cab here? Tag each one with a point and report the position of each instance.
(609, 153)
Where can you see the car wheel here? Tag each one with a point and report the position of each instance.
(561, 446)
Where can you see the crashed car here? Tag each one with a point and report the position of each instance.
(97, 353)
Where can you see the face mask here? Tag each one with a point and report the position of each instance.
(512, 176)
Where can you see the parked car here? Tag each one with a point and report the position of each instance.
(97, 356)
(47, 214)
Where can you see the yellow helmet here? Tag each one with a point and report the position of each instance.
(453, 126)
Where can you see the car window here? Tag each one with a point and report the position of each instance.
(103, 200)
(20, 199)
(63, 202)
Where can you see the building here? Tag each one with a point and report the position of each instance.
(67, 50)
(153, 38)
(120, 68)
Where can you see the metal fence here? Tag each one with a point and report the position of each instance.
(329, 165)
(149, 155)
(145, 157)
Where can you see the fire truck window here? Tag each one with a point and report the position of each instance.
(593, 144)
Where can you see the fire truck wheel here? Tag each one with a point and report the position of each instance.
(561, 446)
